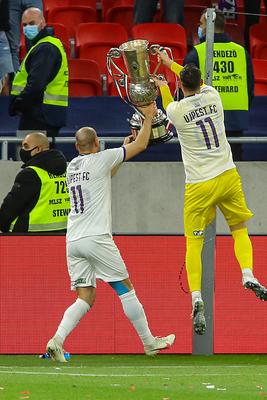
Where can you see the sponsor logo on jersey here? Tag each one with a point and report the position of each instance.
(79, 281)
(198, 233)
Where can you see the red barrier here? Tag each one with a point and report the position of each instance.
(240, 323)
(34, 292)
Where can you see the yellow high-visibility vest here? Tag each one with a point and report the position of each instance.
(229, 73)
(56, 92)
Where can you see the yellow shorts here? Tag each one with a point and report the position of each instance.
(224, 191)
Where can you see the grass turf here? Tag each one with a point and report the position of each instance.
(114, 377)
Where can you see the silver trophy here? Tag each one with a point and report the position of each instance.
(140, 89)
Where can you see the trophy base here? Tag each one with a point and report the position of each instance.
(159, 131)
(162, 139)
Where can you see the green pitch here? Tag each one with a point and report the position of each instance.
(135, 377)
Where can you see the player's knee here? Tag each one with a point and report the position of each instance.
(119, 287)
(87, 295)
(89, 300)
(237, 227)
(194, 242)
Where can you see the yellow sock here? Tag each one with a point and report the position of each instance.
(243, 248)
(193, 262)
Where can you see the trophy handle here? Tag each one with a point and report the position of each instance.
(152, 51)
(111, 65)
(168, 50)
(118, 76)
(154, 47)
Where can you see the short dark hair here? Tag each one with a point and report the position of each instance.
(191, 77)
(219, 23)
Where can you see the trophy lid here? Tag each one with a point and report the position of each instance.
(132, 45)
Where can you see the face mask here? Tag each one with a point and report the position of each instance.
(25, 155)
(200, 32)
(30, 31)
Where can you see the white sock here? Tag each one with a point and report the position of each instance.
(196, 295)
(70, 319)
(247, 274)
(133, 309)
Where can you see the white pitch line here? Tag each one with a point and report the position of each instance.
(117, 375)
(52, 364)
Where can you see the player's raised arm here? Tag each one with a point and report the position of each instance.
(164, 91)
(141, 142)
(166, 60)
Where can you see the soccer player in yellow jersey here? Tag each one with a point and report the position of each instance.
(211, 179)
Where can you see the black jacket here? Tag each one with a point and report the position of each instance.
(42, 66)
(4, 15)
(237, 119)
(26, 190)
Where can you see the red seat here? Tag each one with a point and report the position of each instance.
(94, 40)
(22, 47)
(192, 14)
(258, 41)
(260, 76)
(71, 16)
(84, 78)
(240, 18)
(50, 4)
(121, 12)
(235, 32)
(168, 35)
(61, 33)
(112, 90)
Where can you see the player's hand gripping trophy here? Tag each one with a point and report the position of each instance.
(140, 88)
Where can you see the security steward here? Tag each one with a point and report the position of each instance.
(233, 77)
(40, 88)
(39, 200)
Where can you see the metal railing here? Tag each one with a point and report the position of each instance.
(6, 140)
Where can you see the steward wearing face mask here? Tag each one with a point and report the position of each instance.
(38, 200)
(233, 77)
(40, 87)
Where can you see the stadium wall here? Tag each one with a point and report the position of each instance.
(34, 292)
(147, 197)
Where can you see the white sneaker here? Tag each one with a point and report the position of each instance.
(160, 343)
(254, 285)
(55, 350)
(199, 321)
(246, 279)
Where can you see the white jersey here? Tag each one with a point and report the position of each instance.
(89, 184)
(199, 121)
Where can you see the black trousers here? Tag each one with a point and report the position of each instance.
(173, 11)
(253, 7)
(32, 124)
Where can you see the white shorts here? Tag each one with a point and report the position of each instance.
(94, 257)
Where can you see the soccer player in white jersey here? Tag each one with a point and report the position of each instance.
(211, 179)
(91, 251)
